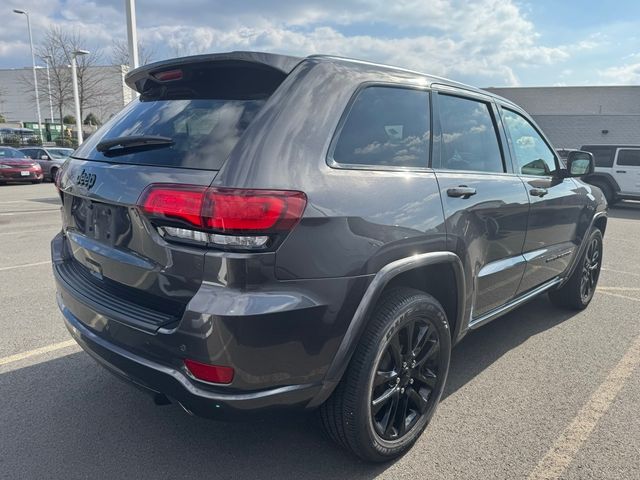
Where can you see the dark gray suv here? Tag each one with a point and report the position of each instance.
(259, 231)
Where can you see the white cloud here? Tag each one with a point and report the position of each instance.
(485, 42)
(622, 75)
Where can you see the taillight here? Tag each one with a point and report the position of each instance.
(209, 373)
(181, 203)
(229, 210)
(228, 217)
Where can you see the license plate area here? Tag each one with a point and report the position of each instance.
(24, 173)
(109, 224)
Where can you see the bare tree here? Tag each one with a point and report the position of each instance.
(57, 46)
(120, 53)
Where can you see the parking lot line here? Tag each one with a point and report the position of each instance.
(24, 265)
(18, 232)
(26, 212)
(562, 452)
(37, 351)
(621, 271)
(618, 289)
(617, 295)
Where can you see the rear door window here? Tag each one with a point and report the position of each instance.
(630, 158)
(386, 127)
(469, 137)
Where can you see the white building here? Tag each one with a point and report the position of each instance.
(108, 94)
(576, 116)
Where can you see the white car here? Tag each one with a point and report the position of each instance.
(617, 171)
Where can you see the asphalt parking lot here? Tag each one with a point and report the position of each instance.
(540, 393)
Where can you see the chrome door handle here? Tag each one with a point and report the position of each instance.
(461, 192)
(538, 192)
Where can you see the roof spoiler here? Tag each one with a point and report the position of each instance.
(280, 63)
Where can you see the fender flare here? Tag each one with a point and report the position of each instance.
(582, 247)
(603, 176)
(350, 340)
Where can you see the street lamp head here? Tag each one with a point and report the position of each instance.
(79, 52)
(18, 11)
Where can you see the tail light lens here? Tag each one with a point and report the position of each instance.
(244, 218)
(259, 211)
(175, 203)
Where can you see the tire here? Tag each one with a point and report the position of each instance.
(578, 291)
(413, 387)
(53, 173)
(607, 191)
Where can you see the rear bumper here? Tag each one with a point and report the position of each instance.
(280, 339)
(175, 384)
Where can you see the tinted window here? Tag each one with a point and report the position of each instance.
(31, 153)
(386, 126)
(629, 157)
(602, 156)
(469, 139)
(533, 155)
(204, 131)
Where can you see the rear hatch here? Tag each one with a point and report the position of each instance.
(190, 114)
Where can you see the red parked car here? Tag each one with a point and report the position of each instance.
(15, 166)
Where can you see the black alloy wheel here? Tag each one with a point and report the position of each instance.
(590, 269)
(405, 379)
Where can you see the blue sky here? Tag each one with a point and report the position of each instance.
(483, 42)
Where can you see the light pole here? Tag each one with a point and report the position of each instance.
(76, 97)
(33, 61)
(132, 33)
(46, 59)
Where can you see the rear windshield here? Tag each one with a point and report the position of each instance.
(203, 131)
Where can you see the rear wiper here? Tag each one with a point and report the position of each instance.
(138, 142)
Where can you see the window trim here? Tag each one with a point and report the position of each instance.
(493, 113)
(333, 163)
(540, 134)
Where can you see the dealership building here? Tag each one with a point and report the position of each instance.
(576, 116)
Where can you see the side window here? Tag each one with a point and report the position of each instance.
(630, 158)
(602, 156)
(29, 153)
(386, 126)
(533, 155)
(469, 137)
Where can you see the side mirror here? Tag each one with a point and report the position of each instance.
(579, 163)
(44, 157)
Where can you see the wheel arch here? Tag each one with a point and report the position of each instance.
(603, 177)
(407, 272)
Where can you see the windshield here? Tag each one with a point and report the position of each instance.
(8, 152)
(59, 153)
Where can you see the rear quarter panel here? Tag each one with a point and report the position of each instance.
(356, 221)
